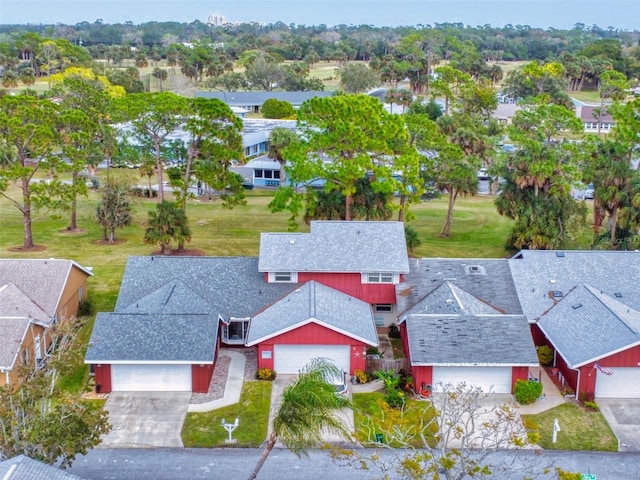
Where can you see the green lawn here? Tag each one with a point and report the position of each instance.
(579, 429)
(372, 417)
(589, 96)
(205, 429)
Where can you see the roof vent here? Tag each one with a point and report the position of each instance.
(618, 295)
(557, 294)
(575, 306)
(559, 254)
(291, 242)
(552, 280)
(475, 270)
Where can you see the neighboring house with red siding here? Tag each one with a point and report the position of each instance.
(35, 294)
(363, 259)
(313, 321)
(452, 336)
(585, 305)
(172, 312)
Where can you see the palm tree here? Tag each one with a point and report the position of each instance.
(279, 140)
(309, 407)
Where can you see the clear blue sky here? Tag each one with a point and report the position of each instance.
(623, 14)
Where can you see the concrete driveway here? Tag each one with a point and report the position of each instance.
(623, 416)
(146, 419)
(345, 415)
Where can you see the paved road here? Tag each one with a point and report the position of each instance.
(236, 464)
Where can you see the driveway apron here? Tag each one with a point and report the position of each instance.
(623, 416)
(146, 419)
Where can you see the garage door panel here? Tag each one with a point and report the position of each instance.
(494, 379)
(624, 382)
(151, 378)
(290, 359)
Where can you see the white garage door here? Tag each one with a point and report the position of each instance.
(290, 359)
(494, 379)
(151, 378)
(623, 383)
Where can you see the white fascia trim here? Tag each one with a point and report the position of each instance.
(466, 364)
(307, 322)
(148, 362)
(608, 354)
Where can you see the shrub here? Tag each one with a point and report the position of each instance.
(265, 374)
(274, 108)
(361, 376)
(593, 406)
(85, 308)
(545, 355)
(394, 331)
(527, 392)
(374, 351)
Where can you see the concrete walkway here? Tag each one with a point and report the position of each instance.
(551, 396)
(233, 387)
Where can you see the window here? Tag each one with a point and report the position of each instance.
(283, 277)
(382, 308)
(25, 356)
(258, 174)
(276, 174)
(80, 294)
(235, 332)
(268, 174)
(378, 278)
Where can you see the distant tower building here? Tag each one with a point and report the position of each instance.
(216, 20)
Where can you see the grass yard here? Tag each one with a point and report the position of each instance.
(589, 96)
(371, 418)
(205, 430)
(580, 429)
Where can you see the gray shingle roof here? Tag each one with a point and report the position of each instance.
(231, 285)
(317, 302)
(31, 275)
(337, 246)
(121, 337)
(536, 273)
(488, 280)
(470, 340)
(15, 303)
(12, 332)
(240, 99)
(25, 468)
(587, 324)
(173, 298)
(448, 299)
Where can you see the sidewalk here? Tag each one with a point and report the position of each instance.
(233, 387)
(551, 396)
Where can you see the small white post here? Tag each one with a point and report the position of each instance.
(556, 429)
(230, 427)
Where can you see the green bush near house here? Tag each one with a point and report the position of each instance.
(545, 355)
(527, 392)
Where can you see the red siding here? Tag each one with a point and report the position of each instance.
(103, 378)
(313, 334)
(538, 336)
(422, 376)
(518, 373)
(201, 377)
(570, 376)
(351, 284)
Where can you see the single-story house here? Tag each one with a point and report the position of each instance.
(263, 171)
(596, 339)
(252, 101)
(451, 336)
(313, 321)
(35, 294)
(592, 116)
(584, 304)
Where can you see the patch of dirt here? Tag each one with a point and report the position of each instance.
(35, 248)
(189, 252)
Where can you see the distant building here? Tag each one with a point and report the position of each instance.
(591, 116)
(216, 20)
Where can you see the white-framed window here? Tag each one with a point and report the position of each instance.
(382, 307)
(283, 277)
(375, 277)
(80, 294)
